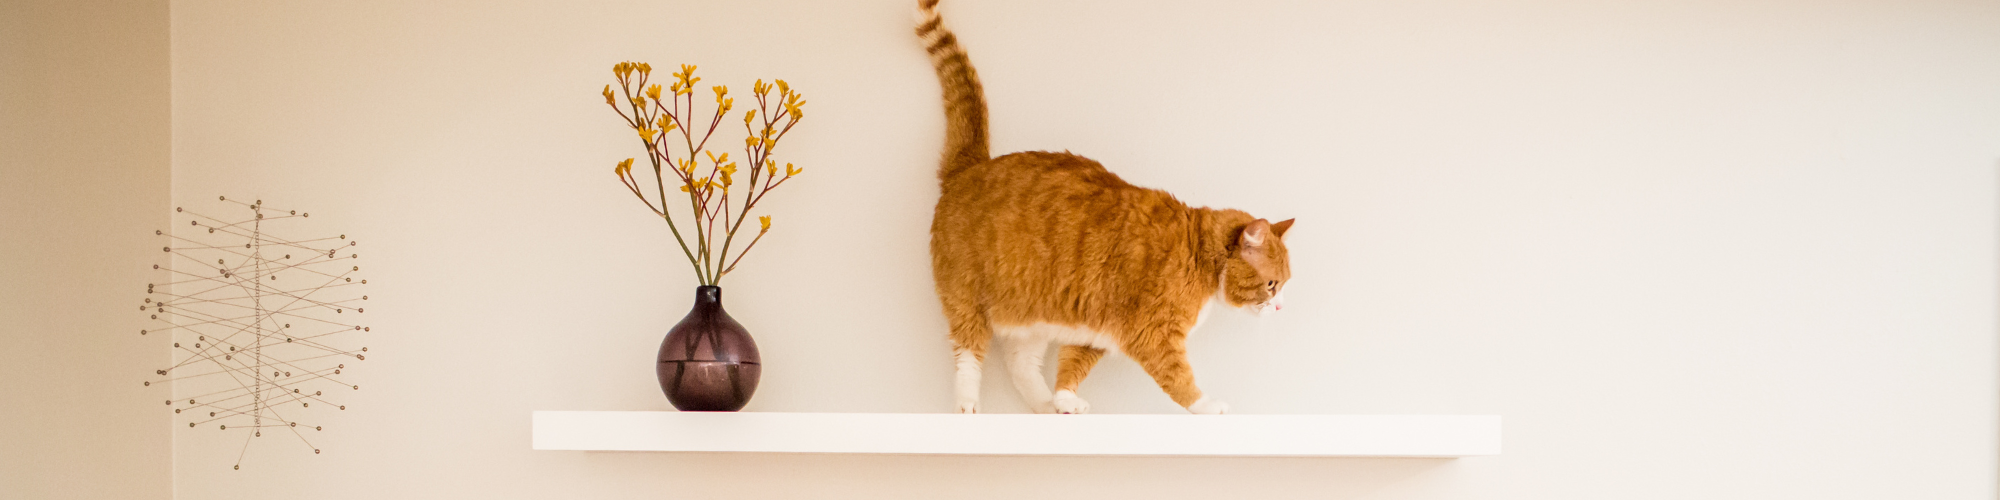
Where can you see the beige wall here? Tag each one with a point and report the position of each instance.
(83, 185)
(1688, 249)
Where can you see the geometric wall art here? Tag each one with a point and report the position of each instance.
(266, 316)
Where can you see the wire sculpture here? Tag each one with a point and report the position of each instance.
(261, 321)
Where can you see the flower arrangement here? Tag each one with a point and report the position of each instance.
(656, 115)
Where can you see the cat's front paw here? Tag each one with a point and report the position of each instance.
(1066, 402)
(1208, 406)
(968, 406)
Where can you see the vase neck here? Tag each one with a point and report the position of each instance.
(708, 295)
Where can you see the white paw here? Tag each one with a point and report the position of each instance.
(1208, 406)
(968, 406)
(1066, 402)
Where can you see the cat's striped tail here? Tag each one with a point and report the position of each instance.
(965, 142)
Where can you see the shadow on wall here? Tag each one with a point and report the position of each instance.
(745, 475)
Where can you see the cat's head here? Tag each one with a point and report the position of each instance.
(1254, 277)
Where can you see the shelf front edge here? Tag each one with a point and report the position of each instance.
(1435, 436)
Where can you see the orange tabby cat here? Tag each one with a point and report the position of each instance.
(1038, 248)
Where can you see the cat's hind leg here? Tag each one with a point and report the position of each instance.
(1073, 363)
(1024, 362)
(970, 336)
(965, 386)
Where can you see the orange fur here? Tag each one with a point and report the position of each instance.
(1054, 238)
(1073, 364)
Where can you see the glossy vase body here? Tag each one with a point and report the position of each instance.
(708, 361)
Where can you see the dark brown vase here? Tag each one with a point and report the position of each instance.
(708, 362)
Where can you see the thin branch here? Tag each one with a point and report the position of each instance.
(664, 214)
(633, 184)
(746, 251)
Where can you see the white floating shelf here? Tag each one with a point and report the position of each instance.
(1435, 436)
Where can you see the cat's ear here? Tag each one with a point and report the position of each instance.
(1280, 228)
(1255, 233)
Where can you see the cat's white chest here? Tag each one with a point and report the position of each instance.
(1206, 308)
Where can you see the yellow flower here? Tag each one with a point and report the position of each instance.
(727, 173)
(645, 69)
(666, 124)
(620, 69)
(623, 167)
(783, 89)
(607, 96)
(653, 91)
(720, 90)
(791, 171)
(766, 222)
(749, 142)
(747, 115)
(795, 107)
(771, 167)
(675, 88)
